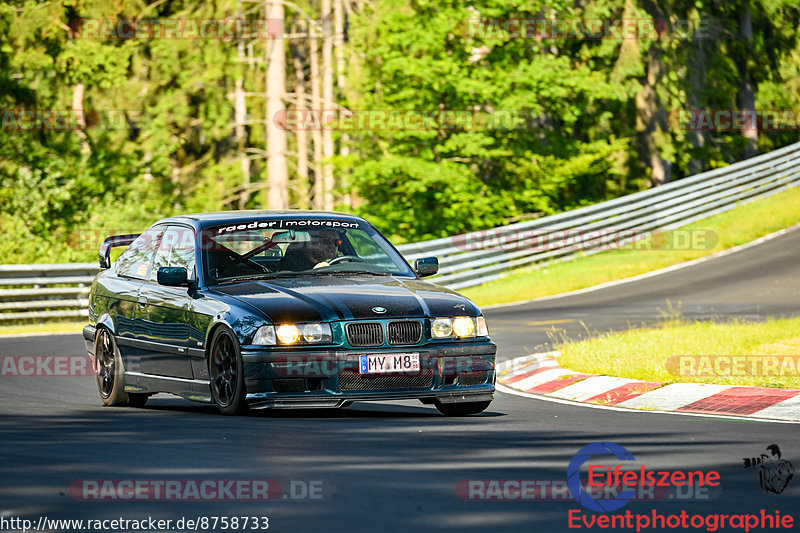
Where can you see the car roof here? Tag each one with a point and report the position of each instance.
(204, 220)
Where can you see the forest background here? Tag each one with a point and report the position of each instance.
(429, 119)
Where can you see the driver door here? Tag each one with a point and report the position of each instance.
(165, 326)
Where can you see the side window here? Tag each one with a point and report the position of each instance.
(135, 260)
(177, 248)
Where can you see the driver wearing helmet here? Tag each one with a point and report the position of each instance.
(314, 253)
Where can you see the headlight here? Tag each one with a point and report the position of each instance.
(459, 327)
(265, 335)
(314, 333)
(288, 333)
(464, 326)
(442, 328)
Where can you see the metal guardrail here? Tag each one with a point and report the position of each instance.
(481, 256)
(60, 291)
(50, 291)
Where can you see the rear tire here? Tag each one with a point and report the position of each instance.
(226, 372)
(462, 408)
(111, 374)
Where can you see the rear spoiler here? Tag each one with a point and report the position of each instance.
(111, 242)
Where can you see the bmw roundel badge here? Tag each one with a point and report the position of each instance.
(379, 310)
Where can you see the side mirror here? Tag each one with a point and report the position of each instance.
(426, 266)
(172, 276)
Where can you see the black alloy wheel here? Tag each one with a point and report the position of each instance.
(227, 376)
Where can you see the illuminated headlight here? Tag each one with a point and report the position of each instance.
(464, 326)
(288, 333)
(265, 335)
(313, 333)
(458, 327)
(442, 328)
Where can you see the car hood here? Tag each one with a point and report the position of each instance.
(317, 298)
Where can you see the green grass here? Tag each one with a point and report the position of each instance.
(738, 226)
(48, 327)
(679, 351)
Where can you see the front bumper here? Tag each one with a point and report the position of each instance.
(453, 372)
(89, 332)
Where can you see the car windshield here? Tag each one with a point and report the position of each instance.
(286, 248)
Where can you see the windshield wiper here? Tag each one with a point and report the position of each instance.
(249, 278)
(350, 272)
(325, 272)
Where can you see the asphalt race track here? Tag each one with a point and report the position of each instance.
(753, 283)
(396, 466)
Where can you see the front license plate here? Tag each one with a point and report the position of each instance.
(389, 363)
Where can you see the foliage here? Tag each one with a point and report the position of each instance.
(159, 138)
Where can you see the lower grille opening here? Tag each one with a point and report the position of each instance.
(473, 378)
(314, 384)
(449, 379)
(289, 385)
(397, 381)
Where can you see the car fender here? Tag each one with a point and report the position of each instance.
(108, 321)
(241, 329)
(90, 331)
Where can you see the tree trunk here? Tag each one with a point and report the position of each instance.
(341, 80)
(648, 121)
(747, 87)
(277, 176)
(240, 129)
(328, 104)
(696, 100)
(78, 91)
(316, 133)
(301, 134)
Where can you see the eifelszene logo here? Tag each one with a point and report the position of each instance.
(574, 476)
(774, 473)
(622, 484)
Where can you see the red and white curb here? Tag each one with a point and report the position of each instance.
(540, 374)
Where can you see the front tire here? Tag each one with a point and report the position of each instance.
(461, 408)
(111, 374)
(226, 371)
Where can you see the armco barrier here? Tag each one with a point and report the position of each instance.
(50, 291)
(60, 291)
(472, 259)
